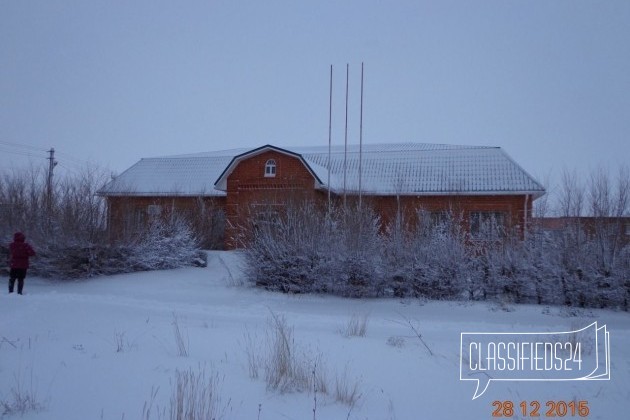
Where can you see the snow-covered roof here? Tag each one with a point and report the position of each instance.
(385, 169)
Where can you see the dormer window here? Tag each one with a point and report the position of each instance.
(270, 168)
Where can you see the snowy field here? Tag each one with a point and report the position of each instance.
(107, 348)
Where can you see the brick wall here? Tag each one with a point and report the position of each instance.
(128, 216)
(249, 191)
(513, 206)
(612, 228)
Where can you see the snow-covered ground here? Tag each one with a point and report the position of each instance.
(105, 348)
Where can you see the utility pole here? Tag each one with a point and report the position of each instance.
(49, 183)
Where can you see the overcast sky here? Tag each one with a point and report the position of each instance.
(110, 82)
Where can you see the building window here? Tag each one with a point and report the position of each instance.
(487, 225)
(439, 218)
(154, 210)
(432, 220)
(270, 168)
(133, 221)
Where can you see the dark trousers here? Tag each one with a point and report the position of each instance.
(17, 274)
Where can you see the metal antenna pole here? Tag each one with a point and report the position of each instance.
(345, 151)
(329, 134)
(361, 139)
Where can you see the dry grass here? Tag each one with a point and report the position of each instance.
(182, 344)
(356, 326)
(196, 396)
(396, 341)
(286, 367)
(147, 409)
(254, 358)
(23, 397)
(347, 391)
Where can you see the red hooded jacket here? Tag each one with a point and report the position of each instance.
(20, 251)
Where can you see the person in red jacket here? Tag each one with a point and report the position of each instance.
(19, 253)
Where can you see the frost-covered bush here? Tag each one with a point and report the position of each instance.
(166, 244)
(71, 261)
(344, 253)
(355, 262)
(556, 269)
(430, 260)
(67, 228)
(307, 250)
(284, 253)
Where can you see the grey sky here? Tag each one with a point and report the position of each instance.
(112, 82)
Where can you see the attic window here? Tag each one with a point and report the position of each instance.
(270, 168)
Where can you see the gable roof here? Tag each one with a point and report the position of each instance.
(221, 183)
(386, 169)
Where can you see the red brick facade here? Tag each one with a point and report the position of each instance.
(516, 208)
(616, 228)
(129, 215)
(250, 190)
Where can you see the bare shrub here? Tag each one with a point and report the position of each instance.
(68, 228)
(396, 341)
(208, 220)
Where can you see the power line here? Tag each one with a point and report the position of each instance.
(28, 150)
(74, 159)
(69, 169)
(22, 153)
(70, 164)
(22, 146)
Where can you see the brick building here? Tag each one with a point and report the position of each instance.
(611, 228)
(241, 186)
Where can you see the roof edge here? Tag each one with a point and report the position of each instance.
(534, 194)
(217, 193)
